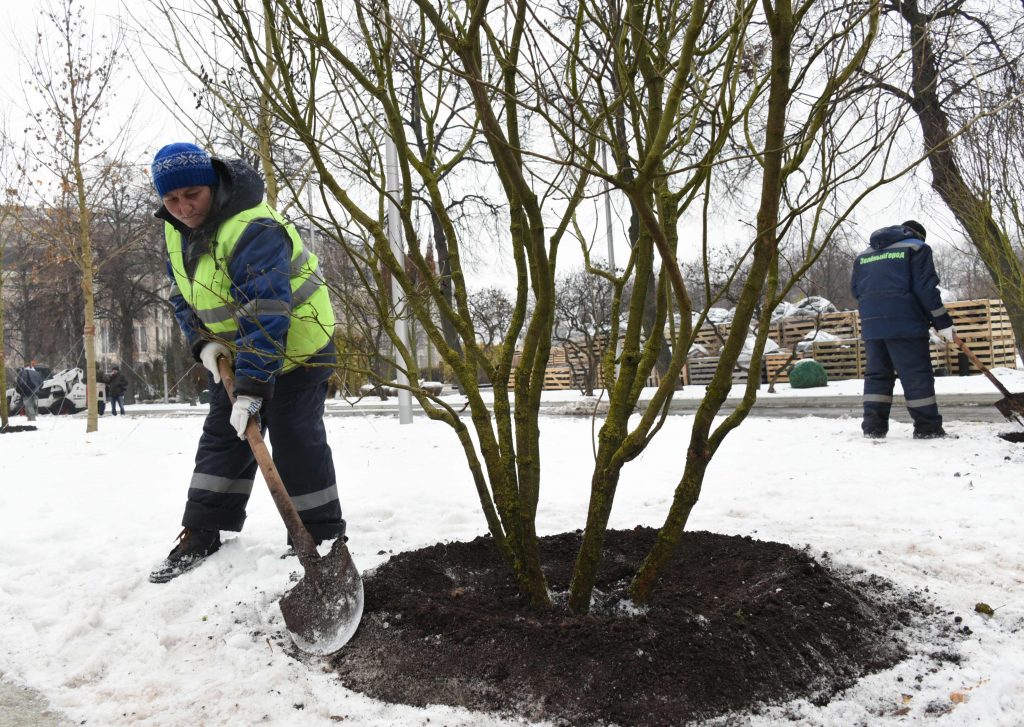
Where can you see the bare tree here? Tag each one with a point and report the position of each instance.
(12, 195)
(963, 272)
(829, 275)
(131, 277)
(965, 82)
(583, 309)
(491, 311)
(668, 89)
(72, 74)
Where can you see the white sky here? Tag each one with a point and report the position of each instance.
(155, 126)
(19, 22)
(81, 624)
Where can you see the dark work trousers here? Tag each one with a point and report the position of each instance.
(225, 465)
(912, 359)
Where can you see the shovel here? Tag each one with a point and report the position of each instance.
(1010, 406)
(323, 610)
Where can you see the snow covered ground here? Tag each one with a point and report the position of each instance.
(83, 518)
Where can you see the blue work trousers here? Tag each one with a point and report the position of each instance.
(910, 359)
(225, 465)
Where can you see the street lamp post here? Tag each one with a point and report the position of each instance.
(394, 237)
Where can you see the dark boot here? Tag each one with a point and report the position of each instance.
(930, 434)
(192, 549)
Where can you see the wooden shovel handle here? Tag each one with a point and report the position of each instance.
(302, 541)
(981, 367)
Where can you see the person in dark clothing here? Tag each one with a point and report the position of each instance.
(245, 287)
(116, 386)
(27, 384)
(897, 290)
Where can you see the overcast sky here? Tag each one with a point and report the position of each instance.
(156, 125)
(19, 22)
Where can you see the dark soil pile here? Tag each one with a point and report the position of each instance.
(736, 623)
(1015, 437)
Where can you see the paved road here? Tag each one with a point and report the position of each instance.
(954, 407)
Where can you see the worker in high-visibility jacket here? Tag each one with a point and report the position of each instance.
(244, 286)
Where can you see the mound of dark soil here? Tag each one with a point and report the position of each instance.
(736, 623)
(1015, 437)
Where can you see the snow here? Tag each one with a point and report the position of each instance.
(83, 518)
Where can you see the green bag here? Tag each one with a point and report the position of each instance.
(807, 374)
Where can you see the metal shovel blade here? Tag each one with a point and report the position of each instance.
(1011, 406)
(323, 610)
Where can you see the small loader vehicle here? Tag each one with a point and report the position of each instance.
(63, 393)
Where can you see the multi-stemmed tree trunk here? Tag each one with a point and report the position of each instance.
(675, 92)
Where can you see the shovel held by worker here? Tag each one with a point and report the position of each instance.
(1010, 406)
(323, 610)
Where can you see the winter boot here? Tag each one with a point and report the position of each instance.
(192, 549)
(930, 434)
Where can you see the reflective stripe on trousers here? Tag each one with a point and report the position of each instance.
(910, 359)
(225, 466)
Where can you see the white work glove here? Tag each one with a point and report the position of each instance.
(947, 333)
(244, 407)
(209, 354)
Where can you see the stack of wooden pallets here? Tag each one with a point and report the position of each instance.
(983, 324)
(842, 359)
(843, 324)
(711, 336)
(985, 327)
(700, 370)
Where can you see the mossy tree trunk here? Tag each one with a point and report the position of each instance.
(972, 202)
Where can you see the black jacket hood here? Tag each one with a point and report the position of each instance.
(881, 239)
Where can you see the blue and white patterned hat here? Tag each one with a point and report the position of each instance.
(181, 165)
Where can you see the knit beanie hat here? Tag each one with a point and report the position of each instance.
(182, 165)
(916, 227)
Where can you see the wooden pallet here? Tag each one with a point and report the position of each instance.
(943, 356)
(985, 327)
(700, 371)
(558, 377)
(557, 356)
(844, 324)
(773, 362)
(711, 336)
(842, 359)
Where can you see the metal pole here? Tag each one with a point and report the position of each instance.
(309, 208)
(165, 381)
(611, 247)
(394, 237)
(608, 212)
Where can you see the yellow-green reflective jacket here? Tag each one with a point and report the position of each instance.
(275, 319)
